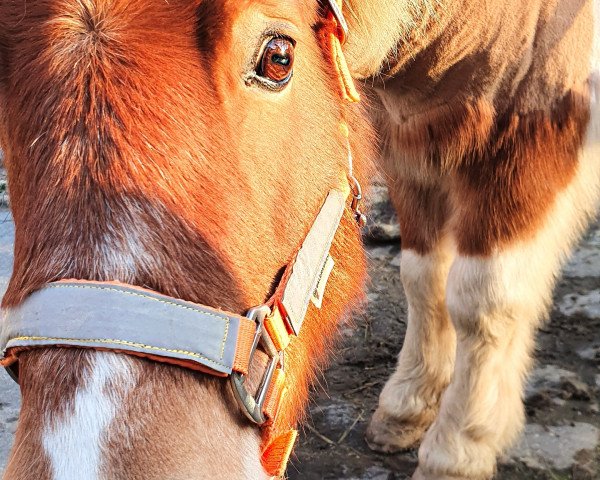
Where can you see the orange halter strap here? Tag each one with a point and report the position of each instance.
(337, 38)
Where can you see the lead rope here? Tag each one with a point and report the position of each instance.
(276, 454)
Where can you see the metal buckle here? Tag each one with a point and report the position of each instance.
(356, 190)
(252, 405)
(341, 20)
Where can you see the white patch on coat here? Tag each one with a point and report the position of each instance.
(74, 443)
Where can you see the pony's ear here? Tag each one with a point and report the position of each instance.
(377, 28)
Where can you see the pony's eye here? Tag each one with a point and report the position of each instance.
(277, 60)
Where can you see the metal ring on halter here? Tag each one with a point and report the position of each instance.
(252, 405)
(341, 20)
(356, 190)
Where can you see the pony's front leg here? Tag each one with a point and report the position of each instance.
(498, 292)
(494, 304)
(410, 399)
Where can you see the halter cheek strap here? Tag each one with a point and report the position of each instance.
(336, 39)
(275, 455)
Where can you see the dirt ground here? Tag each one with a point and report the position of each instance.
(561, 400)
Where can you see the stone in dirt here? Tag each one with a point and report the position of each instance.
(374, 473)
(558, 447)
(546, 379)
(585, 260)
(382, 225)
(591, 352)
(336, 414)
(587, 304)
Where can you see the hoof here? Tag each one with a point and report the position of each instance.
(389, 435)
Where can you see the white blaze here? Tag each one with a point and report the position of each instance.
(73, 444)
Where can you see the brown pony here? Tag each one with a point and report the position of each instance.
(156, 144)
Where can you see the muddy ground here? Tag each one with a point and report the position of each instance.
(561, 440)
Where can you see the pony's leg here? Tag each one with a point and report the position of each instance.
(409, 401)
(496, 299)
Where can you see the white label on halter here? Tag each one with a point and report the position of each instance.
(318, 294)
(310, 263)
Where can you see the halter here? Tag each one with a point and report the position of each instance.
(88, 314)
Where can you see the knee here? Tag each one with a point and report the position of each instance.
(477, 298)
(424, 274)
(415, 269)
(515, 285)
(492, 299)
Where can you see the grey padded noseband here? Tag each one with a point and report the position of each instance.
(117, 317)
